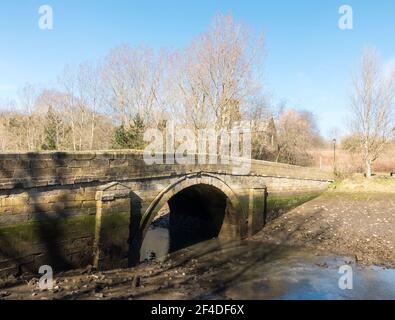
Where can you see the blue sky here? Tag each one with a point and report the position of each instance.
(308, 58)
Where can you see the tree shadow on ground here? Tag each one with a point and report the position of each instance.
(214, 266)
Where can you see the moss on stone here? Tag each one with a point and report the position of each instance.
(56, 229)
(114, 225)
(281, 203)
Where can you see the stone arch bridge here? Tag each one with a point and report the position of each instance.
(69, 210)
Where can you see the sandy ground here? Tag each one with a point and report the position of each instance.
(357, 225)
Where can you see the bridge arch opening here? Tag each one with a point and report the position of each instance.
(188, 216)
(196, 214)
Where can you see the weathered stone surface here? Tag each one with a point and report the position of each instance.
(113, 204)
(51, 202)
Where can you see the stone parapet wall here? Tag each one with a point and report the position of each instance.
(29, 170)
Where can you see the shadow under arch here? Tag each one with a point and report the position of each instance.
(230, 227)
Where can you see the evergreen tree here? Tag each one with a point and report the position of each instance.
(51, 130)
(131, 137)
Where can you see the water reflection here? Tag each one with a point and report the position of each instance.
(258, 271)
(299, 275)
(156, 244)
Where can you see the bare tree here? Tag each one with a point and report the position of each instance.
(297, 133)
(9, 134)
(371, 107)
(264, 133)
(31, 126)
(82, 101)
(132, 78)
(90, 93)
(212, 82)
(217, 74)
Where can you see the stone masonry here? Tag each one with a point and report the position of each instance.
(72, 209)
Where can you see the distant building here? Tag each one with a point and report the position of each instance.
(230, 113)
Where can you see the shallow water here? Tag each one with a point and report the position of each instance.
(253, 270)
(156, 245)
(300, 275)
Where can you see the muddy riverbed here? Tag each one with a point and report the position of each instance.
(211, 270)
(297, 256)
(361, 225)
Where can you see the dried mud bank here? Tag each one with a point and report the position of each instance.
(361, 225)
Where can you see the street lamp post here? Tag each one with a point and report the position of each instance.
(334, 156)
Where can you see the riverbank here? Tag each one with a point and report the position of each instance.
(355, 217)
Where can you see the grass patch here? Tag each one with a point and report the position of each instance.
(359, 184)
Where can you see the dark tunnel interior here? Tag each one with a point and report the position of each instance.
(192, 216)
(196, 214)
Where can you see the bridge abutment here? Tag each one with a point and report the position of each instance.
(112, 226)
